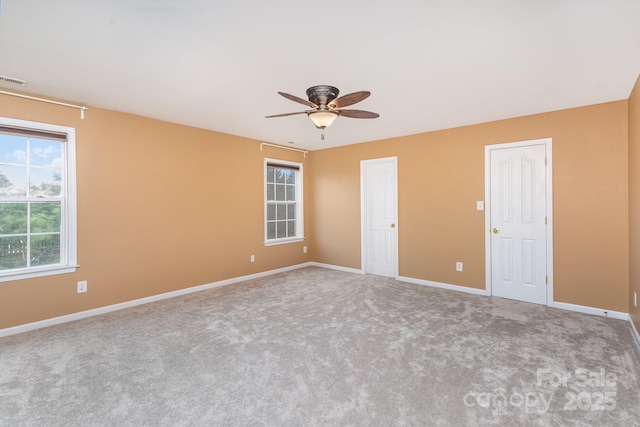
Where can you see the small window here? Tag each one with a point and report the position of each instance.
(283, 202)
(37, 199)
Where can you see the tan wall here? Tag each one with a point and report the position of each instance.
(441, 176)
(160, 207)
(163, 207)
(634, 201)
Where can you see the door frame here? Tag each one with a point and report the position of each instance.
(363, 214)
(547, 142)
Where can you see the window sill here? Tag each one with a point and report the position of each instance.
(9, 276)
(283, 241)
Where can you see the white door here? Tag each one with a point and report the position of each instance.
(518, 218)
(379, 210)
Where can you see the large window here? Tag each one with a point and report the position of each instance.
(37, 199)
(283, 202)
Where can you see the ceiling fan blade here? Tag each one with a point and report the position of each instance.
(350, 99)
(285, 114)
(358, 114)
(299, 100)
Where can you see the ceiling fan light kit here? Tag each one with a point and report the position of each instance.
(326, 106)
(322, 119)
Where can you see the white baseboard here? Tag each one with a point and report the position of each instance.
(590, 310)
(447, 286)
(562, 305)
(636, 335)
(337, 267)
(120, 306)
(127, 304)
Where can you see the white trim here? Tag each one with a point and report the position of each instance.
(363, 255)
(127, 304)
(68, 223)
(447, 286)
(299, 202)
(30, 273)
(548, 143)
(590, 310)
(634, 332)
(560, 305)
(71, 211)
(363, 213)
(337, 267)
(284, 241)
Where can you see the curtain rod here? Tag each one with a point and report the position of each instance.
(305, 152)
(82, 108)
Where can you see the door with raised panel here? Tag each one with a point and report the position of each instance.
(518, 223)
(379, 208)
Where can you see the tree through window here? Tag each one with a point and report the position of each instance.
(283, 201)
(37, 199)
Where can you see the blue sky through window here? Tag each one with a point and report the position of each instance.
(45, 160)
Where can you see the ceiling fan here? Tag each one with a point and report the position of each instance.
(326, 106)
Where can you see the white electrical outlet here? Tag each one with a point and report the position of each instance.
(82, 286)
(304, 249)
(458, 266)
(253, 258)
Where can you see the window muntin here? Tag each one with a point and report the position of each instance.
(37, 199)
(283, 202)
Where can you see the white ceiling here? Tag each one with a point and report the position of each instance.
(218, 64)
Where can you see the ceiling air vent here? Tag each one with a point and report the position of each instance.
(12, 80)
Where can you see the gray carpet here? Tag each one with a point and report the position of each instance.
(320, 347)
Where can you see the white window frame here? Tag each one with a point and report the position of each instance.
(299, 202)
(68, 220)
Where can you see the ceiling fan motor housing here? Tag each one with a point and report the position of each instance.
(322, 95)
